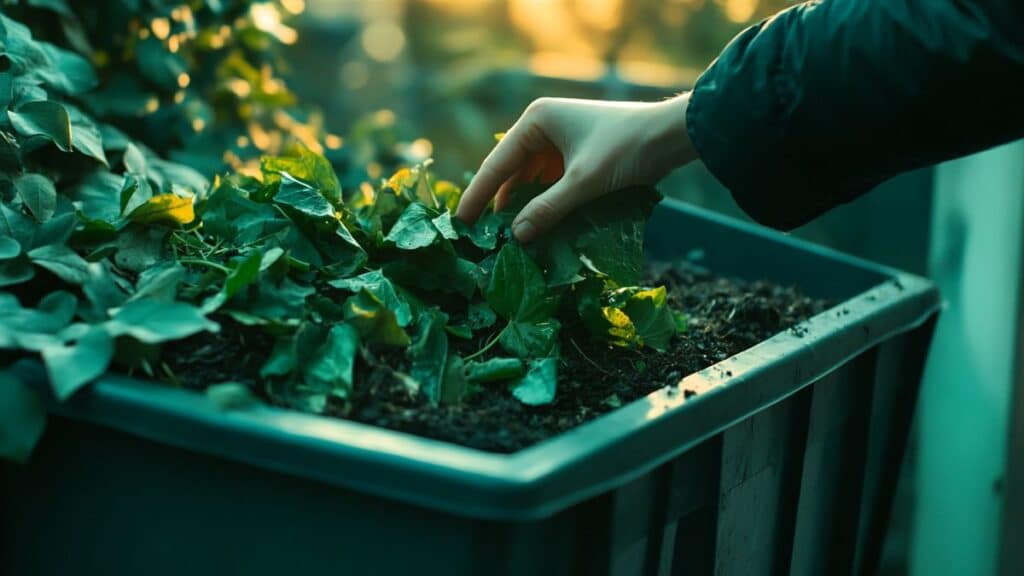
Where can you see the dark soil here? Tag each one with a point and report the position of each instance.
(725, 317)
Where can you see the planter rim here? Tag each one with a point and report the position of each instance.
(547, 477)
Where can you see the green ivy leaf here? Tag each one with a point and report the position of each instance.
(16, 271)
(103, 291)
(160, 282)
(282, 300)
(97, 196)
(429, 355)
(72, 366)
(158, 65)
(454, 385)
(85, 135)
(517, 290)
(22, 417)
(302, 197)
(140, 247)
(331, 366)
(58, 6)
(530, 340)
(495, 370)
(64, 262)
(435, 269)
(153, 322)
(682, 321)
(230, 215)
(376, 283)
(539, 384)
(56, 230)
(9, 248)
(376, 323)
(46, 119)
(38, 194)
(607, 232)
(18, 226)
(245, 273)
(135, 161)
(135, 193)
(483, 233)
(26, 327)
(480, 316)
(179, 174)
(309, 167)
(73, 75)
(443, 223)
(414, 229)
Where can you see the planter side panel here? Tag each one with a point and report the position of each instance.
(96, 501)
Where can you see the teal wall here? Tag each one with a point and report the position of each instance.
(975, 259)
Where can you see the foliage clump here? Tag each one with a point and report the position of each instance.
(108, 252)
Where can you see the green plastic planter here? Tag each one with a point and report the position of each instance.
(783, 462)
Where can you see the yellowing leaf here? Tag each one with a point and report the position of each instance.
(165, 208)
(398, 179)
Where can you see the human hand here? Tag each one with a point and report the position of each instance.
(588, 147)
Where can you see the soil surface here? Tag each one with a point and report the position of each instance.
(726, 316)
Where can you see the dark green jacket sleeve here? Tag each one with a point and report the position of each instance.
(824, 101)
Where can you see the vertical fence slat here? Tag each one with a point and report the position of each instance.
(693, 501)
(902, 401)
(854, 463)
(833, 472)
(760, 461)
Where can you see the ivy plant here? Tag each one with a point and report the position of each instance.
(108, 252)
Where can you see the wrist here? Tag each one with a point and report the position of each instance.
(669, 143)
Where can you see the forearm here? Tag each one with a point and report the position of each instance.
(827, 100)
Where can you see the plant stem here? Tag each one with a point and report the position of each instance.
(587, 358)
(207, 263)
(487, 346)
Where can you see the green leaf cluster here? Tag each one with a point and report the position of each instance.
(109, 252)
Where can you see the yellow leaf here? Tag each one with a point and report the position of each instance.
(621, 328)
(165, 208)
(399, 179)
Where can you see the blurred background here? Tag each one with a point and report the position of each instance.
(437, 78)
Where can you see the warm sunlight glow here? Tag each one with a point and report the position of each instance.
(161, 28)
(459, 6)
(551, 25)
(266, 18)
(738, 11)
(421, 149)
(294, 6)
(563, 65)
(604, 15)
(239, 87)
(383, 40)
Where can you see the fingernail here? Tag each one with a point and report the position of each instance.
(523, 231)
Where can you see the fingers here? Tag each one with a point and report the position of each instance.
(504, 194)
(501, 164)
(546, 210)
(506, 159)
(545, 166)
